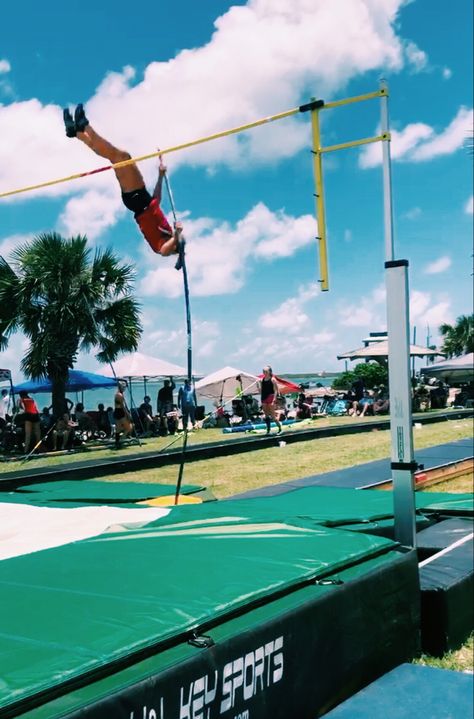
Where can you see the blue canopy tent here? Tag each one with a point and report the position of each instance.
(78, 381)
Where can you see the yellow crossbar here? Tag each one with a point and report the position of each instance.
(356, 98)
(164, 151)
(355, 143)
(192, 143)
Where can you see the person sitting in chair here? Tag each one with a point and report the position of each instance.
(63, 430)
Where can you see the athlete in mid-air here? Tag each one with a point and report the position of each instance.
(146, 208)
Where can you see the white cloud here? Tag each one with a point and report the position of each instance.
(172, 343)
(418, 142)
(91, 213)
(307, 44)
(412, 214)
(437, 266)
(448, 141)
(469, 206)
(220, 255)
(424, 311)
(12, 356)
(347, 235)
(281, 350)
(11, 243)
(6, 88)
(364, 313)
(290, 316)
(447, 73)
(356, 317)
(417, 58)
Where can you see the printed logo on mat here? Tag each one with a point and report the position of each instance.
(218, 693)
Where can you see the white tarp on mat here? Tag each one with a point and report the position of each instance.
(25, 528)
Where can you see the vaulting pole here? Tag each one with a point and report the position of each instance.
(182, 266)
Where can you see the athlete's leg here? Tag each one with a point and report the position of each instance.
(130, 178)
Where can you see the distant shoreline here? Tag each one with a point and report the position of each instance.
(324, 374)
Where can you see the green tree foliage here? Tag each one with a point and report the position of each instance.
(66, 301)
(458, 339)
(373, 374)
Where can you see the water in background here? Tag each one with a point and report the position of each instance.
(91, 398)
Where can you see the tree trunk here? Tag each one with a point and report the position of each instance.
(59, 396)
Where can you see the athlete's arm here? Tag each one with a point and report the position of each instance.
(161, 173)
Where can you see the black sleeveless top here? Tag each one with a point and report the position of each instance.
(267, 388)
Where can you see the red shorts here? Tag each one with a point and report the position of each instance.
(154, 226)
(268, 400)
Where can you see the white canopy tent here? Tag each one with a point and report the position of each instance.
(227, 383)
(380, 349)
(138, 366)
(456, 369)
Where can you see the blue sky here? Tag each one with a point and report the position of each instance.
(191, 69)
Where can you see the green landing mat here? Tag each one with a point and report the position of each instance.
(328, 617)
(446, 503)
(329, 506)
(72, 613)
(94, 491)
(315, 505)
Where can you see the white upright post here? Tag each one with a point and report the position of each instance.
(398, 326)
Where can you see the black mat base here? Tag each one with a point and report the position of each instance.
(447, 600)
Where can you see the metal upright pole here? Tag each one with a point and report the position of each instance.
(320, 208)
(387, 173)
(398, 325)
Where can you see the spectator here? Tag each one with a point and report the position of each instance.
(122, 419)
(84, 422)
(280, 407)
(46, 421)
(356, 394)
(145, 414)
(381, 401)
(63, 429)
(303, 408)
(4, 407)
(102, 419)
(164, 403)
(187, 404)
(66, 406)
(365, 405)
(28, 408)
(268, 395)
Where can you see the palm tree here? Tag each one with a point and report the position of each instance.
(458, 339)
(65, 302)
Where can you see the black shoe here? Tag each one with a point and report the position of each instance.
(69, 123)
(80, 118)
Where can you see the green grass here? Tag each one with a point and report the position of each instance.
(159, 444)
(225, 476)
(461, 660)
(464, 483)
